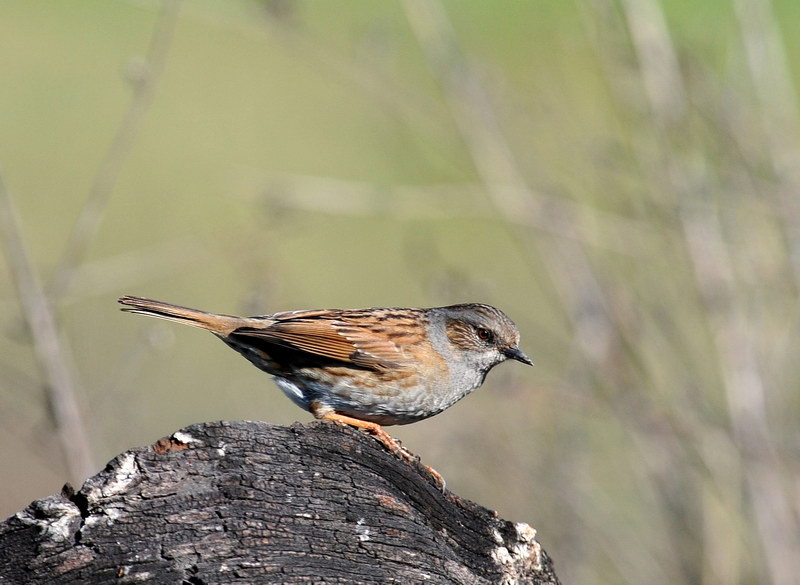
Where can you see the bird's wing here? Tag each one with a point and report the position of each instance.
(332, 336)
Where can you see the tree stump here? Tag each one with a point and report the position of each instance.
(250, 502)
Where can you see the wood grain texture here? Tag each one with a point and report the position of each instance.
(250, 502)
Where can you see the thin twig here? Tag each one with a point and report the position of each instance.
(145, 81)
(778, 100)
(658, 59)
(561, 218)
(51, 353)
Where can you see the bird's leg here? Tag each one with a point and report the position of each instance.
(376, 430)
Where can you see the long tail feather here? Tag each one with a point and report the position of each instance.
(219, 324)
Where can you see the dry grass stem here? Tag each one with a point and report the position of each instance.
(51, 352)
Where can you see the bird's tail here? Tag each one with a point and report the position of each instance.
(220, 324)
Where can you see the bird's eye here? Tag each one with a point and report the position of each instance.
(484, 334)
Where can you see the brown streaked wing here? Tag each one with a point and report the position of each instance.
(302, 314)
(331, 337)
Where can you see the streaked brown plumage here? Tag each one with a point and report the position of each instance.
(365, 367)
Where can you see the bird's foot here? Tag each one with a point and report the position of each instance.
(391, 444)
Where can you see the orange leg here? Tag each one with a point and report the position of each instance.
(376, 430)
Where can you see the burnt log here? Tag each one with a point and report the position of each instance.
(250, 502)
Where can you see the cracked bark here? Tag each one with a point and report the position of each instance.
(230, 502)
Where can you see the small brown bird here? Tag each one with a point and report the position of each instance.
(364, 367)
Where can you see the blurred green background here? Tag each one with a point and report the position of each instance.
(620, 177)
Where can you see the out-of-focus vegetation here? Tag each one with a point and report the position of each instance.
(620, 177)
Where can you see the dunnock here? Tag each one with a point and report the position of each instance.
(365, 367)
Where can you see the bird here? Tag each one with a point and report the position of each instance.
(367, 368)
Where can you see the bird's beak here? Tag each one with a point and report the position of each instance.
(515, 353)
